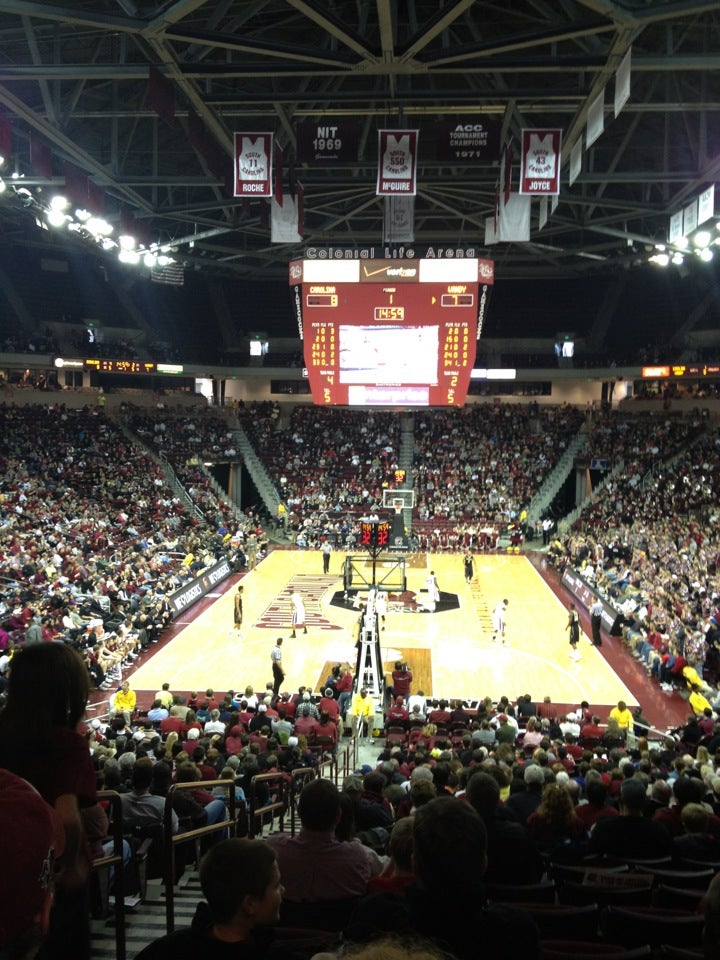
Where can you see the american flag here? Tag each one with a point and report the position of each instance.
(172, 274)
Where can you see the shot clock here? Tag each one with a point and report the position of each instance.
(388, 332)
(374, 535)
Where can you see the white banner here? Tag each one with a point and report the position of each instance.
(622, 82)
(253, 164)
(285, 226)
(706, 204)
(690, 218)
(399, 220)
(675, 230)
(595, 119)
(513, 222)
(543, 213)
(540, 162)
(397, 163)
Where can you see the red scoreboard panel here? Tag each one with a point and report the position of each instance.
(388, 332)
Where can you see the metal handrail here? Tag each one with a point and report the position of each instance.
(117, 861)
(278, 805)
(170, 839)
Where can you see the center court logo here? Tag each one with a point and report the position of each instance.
(312, 589)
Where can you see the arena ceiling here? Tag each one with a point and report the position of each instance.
(75, 74)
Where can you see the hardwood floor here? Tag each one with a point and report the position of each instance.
(450, 651)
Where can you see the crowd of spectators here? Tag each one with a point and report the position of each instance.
(92, 540)
(551, 786)
(329, 466)
(649, 545)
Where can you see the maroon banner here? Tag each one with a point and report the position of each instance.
(96, 198)
(278, 174)
(467, 139)
(76, 184)
(161, 95)
(327, 142)
(40, 156)
(540, 162)
(253, 165)
(397, 163)
(5, 137)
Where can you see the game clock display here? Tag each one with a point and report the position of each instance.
(374, 534)
(389, 332)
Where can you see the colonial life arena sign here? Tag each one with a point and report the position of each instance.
(391, 252)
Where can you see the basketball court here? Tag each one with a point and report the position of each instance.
(450, 651)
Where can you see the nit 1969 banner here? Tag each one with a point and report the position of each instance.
(388, 332)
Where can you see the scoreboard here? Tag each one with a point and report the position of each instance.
(389, 332)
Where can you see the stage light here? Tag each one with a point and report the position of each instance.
(702, 238)
(99, 227)
(706, 255)
(56, 218)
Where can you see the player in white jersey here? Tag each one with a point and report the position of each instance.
(498, 621)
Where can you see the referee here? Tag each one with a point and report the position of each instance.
(277, 670)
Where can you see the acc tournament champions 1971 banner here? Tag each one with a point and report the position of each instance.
(253, 164)
(397, 163)
(540, 162)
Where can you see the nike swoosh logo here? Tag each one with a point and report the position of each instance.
(373, 273)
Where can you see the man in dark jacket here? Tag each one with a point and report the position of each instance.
(441, 905)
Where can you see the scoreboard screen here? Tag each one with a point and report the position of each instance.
(388, 332)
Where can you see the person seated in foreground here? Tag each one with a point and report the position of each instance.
(315, 865)
(631, 835)
(241, 883)
(442, 905)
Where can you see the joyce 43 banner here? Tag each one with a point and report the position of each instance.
(397, 163)
(253, 164)
(540, 162)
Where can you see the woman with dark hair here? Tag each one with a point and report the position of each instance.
(554, 823)
(39, 741)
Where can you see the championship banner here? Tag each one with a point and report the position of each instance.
(467, 139)
(397, 163)
(253, 164)
(540, 162)
(325, 142)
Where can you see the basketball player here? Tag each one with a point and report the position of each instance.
(298, 613)
(239, 608)
(573, 626)
(498, 621)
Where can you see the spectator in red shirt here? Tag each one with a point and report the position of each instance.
(440, 714)
(402, 679)
(597, 805)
